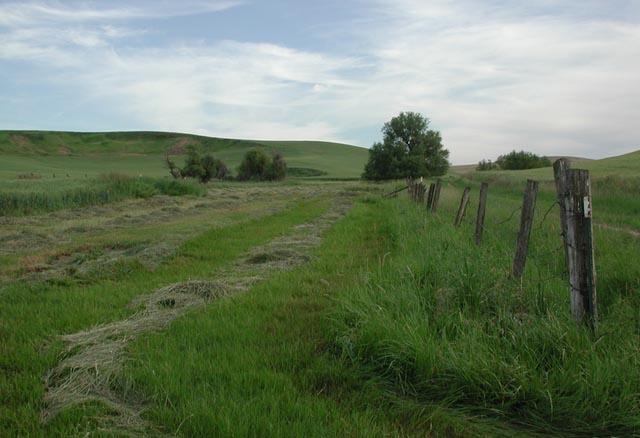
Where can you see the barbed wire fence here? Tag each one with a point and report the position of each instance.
(574, 202)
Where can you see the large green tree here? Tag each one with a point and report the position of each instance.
(408, 148)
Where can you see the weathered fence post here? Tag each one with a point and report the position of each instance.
(482, 206)
(559, 175)
(421, 191)
(432, 187)
(575, 205)
(436, 195)
(526, 222)
(463, 206)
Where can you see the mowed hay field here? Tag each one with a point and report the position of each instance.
(310, 308)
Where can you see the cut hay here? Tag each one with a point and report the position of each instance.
(93, 359)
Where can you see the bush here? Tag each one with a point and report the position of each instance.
(522, 160)
(277, 169)
(486, 165)
(255, 166)
(203, 168)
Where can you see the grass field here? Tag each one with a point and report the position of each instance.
(310, 308)
(142, 153)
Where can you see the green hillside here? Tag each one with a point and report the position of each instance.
(47, 152)
(625, 166)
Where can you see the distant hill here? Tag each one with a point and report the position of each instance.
(306, 158)
(466, 168)
(627, 165)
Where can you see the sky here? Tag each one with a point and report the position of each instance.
(554, 77)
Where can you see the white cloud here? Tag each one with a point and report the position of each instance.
(490, 75)
(493, 81)
(16, 14)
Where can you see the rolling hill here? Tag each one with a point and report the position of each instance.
(143, 153)
(627, 165)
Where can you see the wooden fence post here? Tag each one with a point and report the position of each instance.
(526, 222)
(482, 206)
(463, 206)
(432, 187)
(436, 195)
(559, 175)
(421, 191)
(576, 206)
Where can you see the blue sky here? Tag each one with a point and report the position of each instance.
(552, 77)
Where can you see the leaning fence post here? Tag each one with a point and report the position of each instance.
(436, 195)
(576, 205)
(482, 206)
(526, 222)
(463, 206)
(432, 187)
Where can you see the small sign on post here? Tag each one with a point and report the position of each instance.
(574, 194)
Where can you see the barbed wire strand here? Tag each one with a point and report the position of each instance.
(546, 214)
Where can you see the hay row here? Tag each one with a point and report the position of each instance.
(94, 358)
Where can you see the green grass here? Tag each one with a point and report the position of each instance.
(615, 186)
(442, 321)
(33, 314)
(263, 363)
(39, 197)
(135, 153)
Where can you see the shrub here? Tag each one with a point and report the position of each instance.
(277, 169)
(255, 166)
(203, 168)
(522, 160)
(486, 165)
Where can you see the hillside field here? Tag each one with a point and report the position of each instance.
(142, 153)
(312, 307)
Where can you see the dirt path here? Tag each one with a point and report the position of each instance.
(95, 357)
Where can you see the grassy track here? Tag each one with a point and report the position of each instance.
(32, 314)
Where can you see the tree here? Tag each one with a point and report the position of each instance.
(277, 169)
(256, 166)
(253, 165)
(408, 148)
(485, 165)
(203, 168)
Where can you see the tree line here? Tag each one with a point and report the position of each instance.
(256, 165)
(515, 161)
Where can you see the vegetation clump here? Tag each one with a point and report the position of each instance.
(515, 161)
(203, 168)
(105, 189)
(408, 149)
(256, 166)
(484, 165)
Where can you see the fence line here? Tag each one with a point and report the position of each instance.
(573, 188)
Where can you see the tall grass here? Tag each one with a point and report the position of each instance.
(102, 190)
(441, 320)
